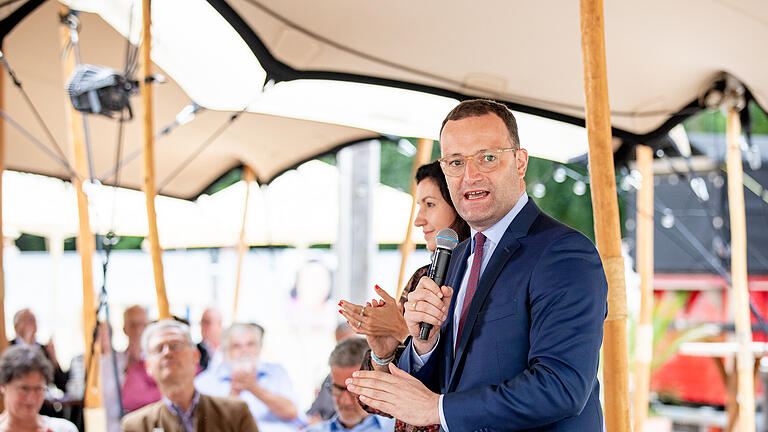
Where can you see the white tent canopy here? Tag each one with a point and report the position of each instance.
(184, 165)
(661, 56)
(282, 213)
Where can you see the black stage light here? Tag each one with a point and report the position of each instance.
(101, 90)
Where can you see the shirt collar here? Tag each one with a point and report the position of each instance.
(368, 422)
(497, 230)
(177, 409)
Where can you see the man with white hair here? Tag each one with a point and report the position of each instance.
(172, 360)
(265, 387)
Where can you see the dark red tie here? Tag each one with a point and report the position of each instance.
(474, 275)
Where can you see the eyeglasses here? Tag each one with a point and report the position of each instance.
(27, 390)
(337, 390)
(485, 161)
(173, 346)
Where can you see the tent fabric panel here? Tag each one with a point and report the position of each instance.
(659, 58)
(33, 50)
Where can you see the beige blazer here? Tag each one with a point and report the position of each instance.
(212, 414)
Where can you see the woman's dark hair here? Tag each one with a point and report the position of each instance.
(434, 172)
(19, 360)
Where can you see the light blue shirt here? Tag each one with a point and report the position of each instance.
(493, 236)
(216, 381)
(186, 418)
(372, 423)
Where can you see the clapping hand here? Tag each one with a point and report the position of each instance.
(380, 321)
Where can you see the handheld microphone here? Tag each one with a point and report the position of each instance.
(446, 240)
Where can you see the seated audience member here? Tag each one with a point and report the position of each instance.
(135, 320)
(345, 360)
(109, 388)
(172, 360)
(322, 407)
(265, 387)
(112, 371)
(25, 326)
(24, 374)
(138, 387)
(210, 330)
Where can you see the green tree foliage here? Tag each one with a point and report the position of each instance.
(560, 199)
(714, 121)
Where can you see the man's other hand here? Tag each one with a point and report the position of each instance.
(397, 394)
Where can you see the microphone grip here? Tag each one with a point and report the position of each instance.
(424, 329)
(437, 272)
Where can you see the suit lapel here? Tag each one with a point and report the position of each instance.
(166, 420)
(504, 250)
(462, 254)
(201, 411)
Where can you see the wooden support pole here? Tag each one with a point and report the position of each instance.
(150, 192)
(644, 332)
(423, 154)
(3, 336)
(606, 215)
(85, 239)
(745, 359)
(242, 246)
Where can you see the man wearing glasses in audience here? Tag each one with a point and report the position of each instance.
(350, 416)
(172, 360)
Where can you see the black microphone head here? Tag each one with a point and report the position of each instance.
(447, 238)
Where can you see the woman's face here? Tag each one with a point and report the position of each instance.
(24, 396)
(434, 212)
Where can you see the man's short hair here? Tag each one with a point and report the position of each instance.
(19, 360)
(162, 325)
(480, 107)
(348, 353)
(238, 328)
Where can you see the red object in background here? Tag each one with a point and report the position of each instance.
(697, 379)
(691, 379)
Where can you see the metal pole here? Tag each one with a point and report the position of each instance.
(423, 153)
(358, 177)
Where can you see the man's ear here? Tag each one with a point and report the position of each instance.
(521, 157)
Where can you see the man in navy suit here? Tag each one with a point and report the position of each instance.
(517, 347)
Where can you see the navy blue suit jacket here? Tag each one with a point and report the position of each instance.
(528, 354)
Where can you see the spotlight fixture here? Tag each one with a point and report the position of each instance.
(101, 90)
